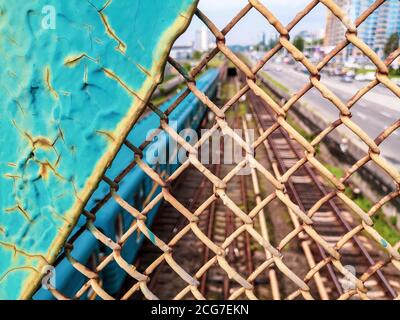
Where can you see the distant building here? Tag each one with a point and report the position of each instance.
(202, 40)
(309, 36)
(264, 40)
(380, 25)
(312, 43)
(334, 29)
(182, 52)
(374, 31)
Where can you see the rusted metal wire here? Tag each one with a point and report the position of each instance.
(302, 219)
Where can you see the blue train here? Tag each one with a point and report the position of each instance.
(136, 188)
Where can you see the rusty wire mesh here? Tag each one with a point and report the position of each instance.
(275, 259)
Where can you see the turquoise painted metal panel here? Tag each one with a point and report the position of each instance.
(74, 77)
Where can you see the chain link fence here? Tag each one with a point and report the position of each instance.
(275, 257)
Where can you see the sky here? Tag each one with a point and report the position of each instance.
(250, 29)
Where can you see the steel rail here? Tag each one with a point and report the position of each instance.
(191, 202)
(209, 233)
(336, 210)
(263, 226)
(386, 286)
(320, 286)
(231, 225)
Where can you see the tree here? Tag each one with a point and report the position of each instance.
(298, 42)
(272, 43)
(197, 55)
(392, 44)
(317, 42)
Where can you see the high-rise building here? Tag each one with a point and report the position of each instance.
(387, 23)
(334, 29)
(202, 40)
(374, 31)
(264, 40)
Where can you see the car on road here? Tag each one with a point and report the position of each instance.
(346, 78)
(360, 77)
(301, 68)
(365, 76)
(396, 81)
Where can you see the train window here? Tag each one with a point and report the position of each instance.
(138, 198)
(93, 261)
(119, 227)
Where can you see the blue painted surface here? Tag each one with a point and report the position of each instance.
(134, 188)
(68, 97)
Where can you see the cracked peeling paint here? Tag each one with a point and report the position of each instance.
(115, 77)
(122, 47)
(73, 60)
(66, 143)
(17, 251)
(18, 208)
(47, 80)
(4, 275)
(109, 135)
(143, 69)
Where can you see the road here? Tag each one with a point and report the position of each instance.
(375, 112)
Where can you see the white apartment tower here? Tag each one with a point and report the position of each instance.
(374, 31)
(202, 41)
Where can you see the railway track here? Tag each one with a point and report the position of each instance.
(305, 188)
(242, 254)
(165, 283)
(221, 223)
(217, 223)
(332, 221)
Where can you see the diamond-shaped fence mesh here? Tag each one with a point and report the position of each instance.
(325, 267)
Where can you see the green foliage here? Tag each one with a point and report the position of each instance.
(272, 43)
(394, 72)
(363, 203)
(168, 77)
(217, 61)
(336, 171)
(197, 55)
(187, 66)
(299, 42)
(317, 42)
(386, 229)
(276, 83)
(364, 71)
(392, 44)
